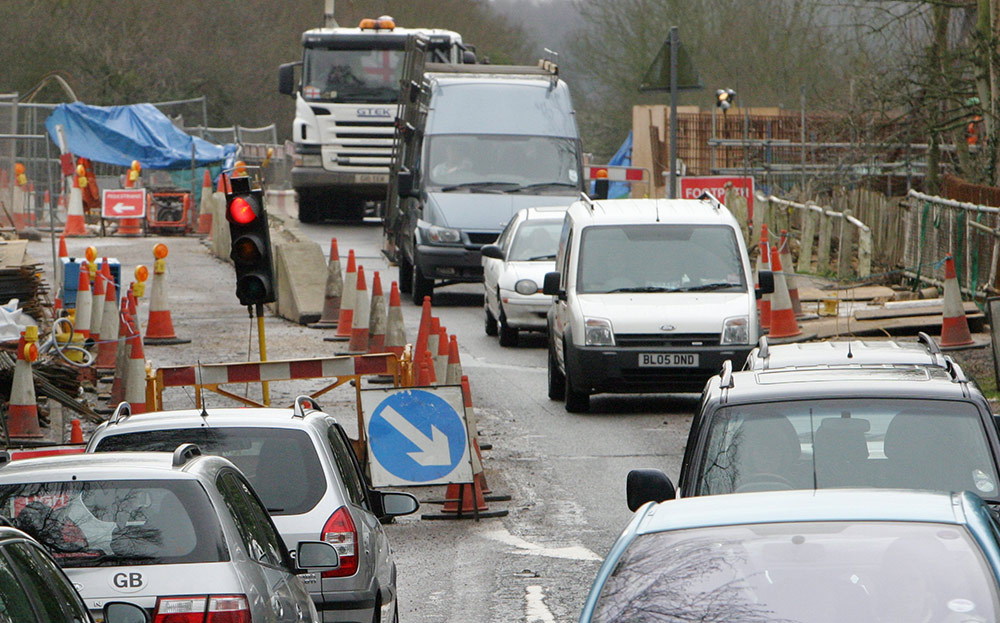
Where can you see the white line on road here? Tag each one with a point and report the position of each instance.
(572, 552)
(535, 607)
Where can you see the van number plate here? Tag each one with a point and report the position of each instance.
(371, 178)
(668, 360)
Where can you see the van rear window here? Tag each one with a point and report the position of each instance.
(266, 456)
(101, 523)
(659, 258)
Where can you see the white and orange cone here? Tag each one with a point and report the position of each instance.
(22, 411)
(131, 226)
(785, 253)
(783, 323)
(205, 206)
(75, 224)
(377, 317)
(453, 374)
(108, 345)
(362, 307)
(954, 325)
(441, 359)
(160, 328)
(763, 265)
(97, 302)
(423, 331)
(84, 302)
(125, 333)
(395, 332)
(135, 380)
(433, 343)
(333, 292)
(345, 321)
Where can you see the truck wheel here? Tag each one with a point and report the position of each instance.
(422, 286)
(308, 207)
(577, 401)
(405, 274)
(557, 382)
(352, 209)
(491, 321)
(508, 334)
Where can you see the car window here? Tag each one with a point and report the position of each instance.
(266, 456)
(503, 241)
(535, 240)
(254, 526)
(15, 607)
(112, 523)
(815, 572)
(872, 442)
(50, 591)
(346, 467)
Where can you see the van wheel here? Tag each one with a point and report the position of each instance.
(405, 274)
(508, 334)
(577, 401)
(491, 322)
(557, 382)
(421, 286)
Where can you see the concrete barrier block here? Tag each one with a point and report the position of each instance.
(220, 227)
(300, 270)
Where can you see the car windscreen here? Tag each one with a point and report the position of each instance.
(503, 163)
(280, 463)
(870, 442)
(821, 572)
(535, 240)
(352, 75)
(98, 523)
(659, 258)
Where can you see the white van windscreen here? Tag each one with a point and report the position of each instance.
(659, 258)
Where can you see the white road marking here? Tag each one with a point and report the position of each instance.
(535, 607)
(572, 552)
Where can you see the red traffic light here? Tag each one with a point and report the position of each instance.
(240, 211)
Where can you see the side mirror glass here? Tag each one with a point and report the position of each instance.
(316, 556)
(404, 183)
(493, 251)
(766, 281)
(395, 504)
(468, 57)
(124, 612)
(550, 285)
(647, 485)
(286, 79)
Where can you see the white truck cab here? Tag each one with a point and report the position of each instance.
(650, 295)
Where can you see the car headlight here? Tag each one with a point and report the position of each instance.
(525, 287)
(310, 160)
(735, 331)
(443, 234)
(598, 332)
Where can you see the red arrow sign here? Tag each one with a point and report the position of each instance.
(123, 203)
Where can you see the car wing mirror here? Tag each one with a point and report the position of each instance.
(395, 504)
(647, 485)
(404, 183)
(124, 612)
(550, 286)
(311, 556)
(493, 251)
(765, 279)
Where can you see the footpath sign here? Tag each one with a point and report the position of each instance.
(692, 187)
(416, 436)
(123, 203)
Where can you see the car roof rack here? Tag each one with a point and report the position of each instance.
(184, 453)
(710, 198)
(584, 197)
(763, 350)
(956, 371)
(122, 411)
(726, 375)
(303, 404)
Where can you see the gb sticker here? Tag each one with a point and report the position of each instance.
(127, 581)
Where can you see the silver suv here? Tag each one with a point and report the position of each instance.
(301, 464)
(177, 533)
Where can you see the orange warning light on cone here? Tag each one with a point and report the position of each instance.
(160, 251)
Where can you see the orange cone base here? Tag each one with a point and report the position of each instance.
(359, 342)
(465, 501)
(137, 407)
(343, 326)
(765, 314)
(331, 314)
(783, 324)
(75, 226)
(204, 224)
(76, 431)
(128, 227)
(20, 221)
(106, 354)
(22, 422)
(955, 332)
(160, 330)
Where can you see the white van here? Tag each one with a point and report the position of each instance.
(650, 295)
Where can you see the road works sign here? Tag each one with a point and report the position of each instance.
(692, 187)
(416, 436)
(123, 203)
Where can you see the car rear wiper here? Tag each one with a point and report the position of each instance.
(715, 285)
(645, 289)
(541, 185)
(113, 560)
(482, 187)
(550, 256)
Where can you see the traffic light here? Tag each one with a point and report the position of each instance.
(251, 243)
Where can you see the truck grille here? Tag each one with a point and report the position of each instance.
(481, 238)
(364, 144)
(659, 340)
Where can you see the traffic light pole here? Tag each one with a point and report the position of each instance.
(262, 346)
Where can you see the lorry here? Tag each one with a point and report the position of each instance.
(474, 144)
(345, 99)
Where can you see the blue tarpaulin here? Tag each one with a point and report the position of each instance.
(622, 158)
(120, 134)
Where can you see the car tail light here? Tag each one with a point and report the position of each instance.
(228, 609)
(220, 609)
(340, 531)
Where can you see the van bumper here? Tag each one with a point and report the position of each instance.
(611, 369)
(449, 263)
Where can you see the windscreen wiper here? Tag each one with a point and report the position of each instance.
(645, 289)
(715, 285)
(479, 187)
(550, 256)
(538, 185)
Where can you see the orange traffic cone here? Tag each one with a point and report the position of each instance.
(84, 302)
(75, 431)
(131, 226)
(395, 333)
(345, 321)
(108, 344)
(441, 359)
(22, 411)
(453, 373)
(60, 265)
(764, 265)
(97, 303)
(783, 322)
(785, 253)
(125, 331)
(424, 330)
(19, 198)
(359, 329)
(954, 325)
(378, 318)
(205, 205)
(429, 360)
(477, 460)
(135, 380)
(75, 225)
(424, 378)
(160, 328)
(334, 291)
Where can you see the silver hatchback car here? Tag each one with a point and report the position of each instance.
(176, 534)
(301, 464)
